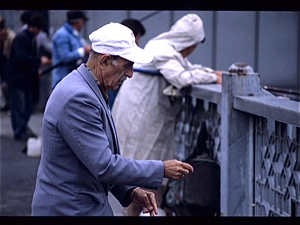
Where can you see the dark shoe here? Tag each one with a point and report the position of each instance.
(5, 108)
(24, 148)
(22, 137)
(30, 133)
(27, 134)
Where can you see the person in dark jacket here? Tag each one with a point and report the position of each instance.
(21, 74)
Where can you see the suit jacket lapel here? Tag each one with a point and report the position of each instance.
(91, 82)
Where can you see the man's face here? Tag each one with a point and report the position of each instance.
(137, 39)
(118, 71)
(187, 51)
(80, 24)
(35, 30)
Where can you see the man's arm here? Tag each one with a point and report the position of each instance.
(174, 170)
(83, 125)
(61, 43)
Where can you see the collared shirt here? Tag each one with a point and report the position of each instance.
(105, 95)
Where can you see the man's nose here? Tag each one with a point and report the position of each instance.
(130, 73)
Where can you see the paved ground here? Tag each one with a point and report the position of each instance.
(18, 171)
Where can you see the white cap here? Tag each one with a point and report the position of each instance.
(117, 39)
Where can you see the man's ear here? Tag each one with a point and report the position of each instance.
(105, 60)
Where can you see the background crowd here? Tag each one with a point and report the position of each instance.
(23, 67)
(28, 55)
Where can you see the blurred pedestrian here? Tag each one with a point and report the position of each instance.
(7, 36)
(69, 49)
(44, 48)
(24, 19)
(138, 30)
(81, 159)
(44, 45)
(146, 130)
(21, 72)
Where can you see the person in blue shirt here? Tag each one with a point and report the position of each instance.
(69, 48)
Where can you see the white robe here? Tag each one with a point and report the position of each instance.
(144, 117)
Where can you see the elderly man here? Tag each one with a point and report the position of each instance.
(81, 159)
(138, 30)
(146, 131)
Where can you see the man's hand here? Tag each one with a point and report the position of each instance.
(146, 199)
(219, 76)
(176, 170)
(45, 61)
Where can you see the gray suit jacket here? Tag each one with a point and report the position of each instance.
(80, 159)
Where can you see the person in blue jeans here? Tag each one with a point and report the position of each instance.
(21, 74)
(69, 48)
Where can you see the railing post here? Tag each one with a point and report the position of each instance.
(236, 157)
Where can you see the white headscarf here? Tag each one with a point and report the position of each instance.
(186, 32)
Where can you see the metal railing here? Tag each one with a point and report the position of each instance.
(254, 137)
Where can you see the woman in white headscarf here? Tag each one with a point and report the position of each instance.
(143, 115)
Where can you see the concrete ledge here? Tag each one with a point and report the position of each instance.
(279, 109)
(208, 92)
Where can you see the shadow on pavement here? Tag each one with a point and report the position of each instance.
(17, 170)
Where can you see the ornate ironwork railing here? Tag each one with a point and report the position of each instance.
(253, 135)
